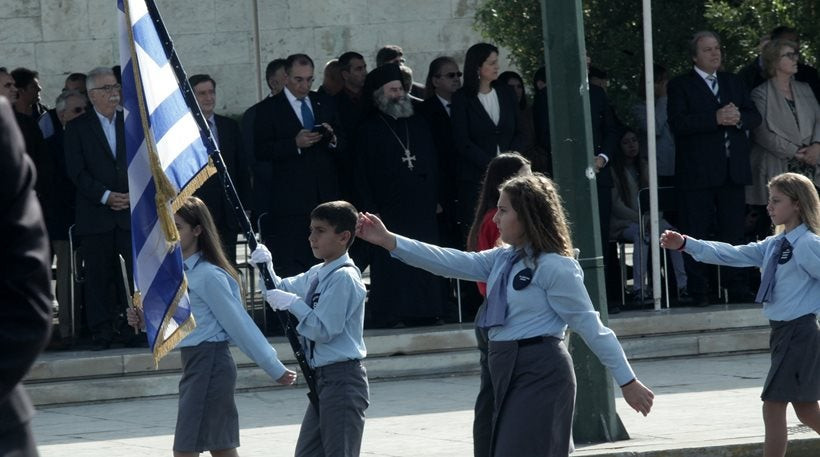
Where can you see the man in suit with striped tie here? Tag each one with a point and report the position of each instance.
(294, 135)
(710, 113)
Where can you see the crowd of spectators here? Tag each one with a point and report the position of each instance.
(416, 155)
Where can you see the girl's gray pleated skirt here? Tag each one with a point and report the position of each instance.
(534, 386)
(794, 375)
(207, 418)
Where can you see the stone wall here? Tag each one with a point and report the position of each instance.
(57, 37)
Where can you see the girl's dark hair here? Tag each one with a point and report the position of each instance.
(433, 71)
(475, 57)
(541, 213)
(194, 212)
(503, 167)
(504, 79)
(619, 168)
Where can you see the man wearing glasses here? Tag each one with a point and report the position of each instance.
(96, 164)
(59, 210)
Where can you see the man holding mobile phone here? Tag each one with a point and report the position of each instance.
(294, 136)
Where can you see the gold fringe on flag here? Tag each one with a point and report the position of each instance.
(195, 183)
(163, 346)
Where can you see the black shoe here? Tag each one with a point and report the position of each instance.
(637, 300)
(100, 345)
(613, 309)
(699, 301)
(683, 297)
(741, 296)
(58, 343)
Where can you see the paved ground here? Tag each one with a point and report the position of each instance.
(701, 402)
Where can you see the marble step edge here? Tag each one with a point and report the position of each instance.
(802, 446)
(653, 346)
(118, 362)
(686, 320)
(248, 378)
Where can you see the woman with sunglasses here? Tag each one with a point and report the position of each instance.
(788, 139)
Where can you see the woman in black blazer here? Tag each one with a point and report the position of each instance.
(485, 123)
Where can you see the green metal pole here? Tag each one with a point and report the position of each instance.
(571, 133)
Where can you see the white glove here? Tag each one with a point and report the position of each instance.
(261, 255)
(280, 300)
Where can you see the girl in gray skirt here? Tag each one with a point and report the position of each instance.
(207, 419)
(535, 290)
(790, 294)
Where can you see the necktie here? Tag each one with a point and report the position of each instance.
(307, 115)
(713, 84)
(496, 312)
(212, 126)
(764, 293)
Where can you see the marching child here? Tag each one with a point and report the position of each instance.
(328, 301)
(790, 294)
(535, 290)
(207, 419)
(484, 235)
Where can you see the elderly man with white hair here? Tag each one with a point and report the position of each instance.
(96, 164)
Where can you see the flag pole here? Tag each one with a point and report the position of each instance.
(233, 197)
(164, 193)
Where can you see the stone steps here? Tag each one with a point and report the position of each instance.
(82, 376)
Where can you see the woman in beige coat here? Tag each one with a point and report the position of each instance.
(788, 139)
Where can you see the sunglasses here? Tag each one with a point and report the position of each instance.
(451, 75)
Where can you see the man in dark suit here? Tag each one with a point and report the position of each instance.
(710, 113)
(350, 111)
(443, 80)
(605, 144)
(225, 132)
(60, 210)
(294, 137)
(260, 176)
(25, 292)
(96, 163)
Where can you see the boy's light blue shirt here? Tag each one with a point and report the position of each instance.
(797, 282)
(555, 298)
(219, 315)
(336, 323)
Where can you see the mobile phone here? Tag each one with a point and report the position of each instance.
(320, 129)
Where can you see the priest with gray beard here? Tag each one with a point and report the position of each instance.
(396, 178)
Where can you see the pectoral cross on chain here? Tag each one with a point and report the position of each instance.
(408, 158)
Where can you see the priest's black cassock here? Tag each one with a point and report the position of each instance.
(397, 180)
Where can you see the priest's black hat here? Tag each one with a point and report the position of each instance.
(381, 76)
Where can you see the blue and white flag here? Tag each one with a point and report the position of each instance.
(168, 159)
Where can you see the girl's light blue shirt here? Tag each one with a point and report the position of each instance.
(797, 282)
(220, 316)
(555, 298)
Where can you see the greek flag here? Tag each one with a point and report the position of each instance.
(168, 159)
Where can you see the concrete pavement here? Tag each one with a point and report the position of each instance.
(705, 406)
